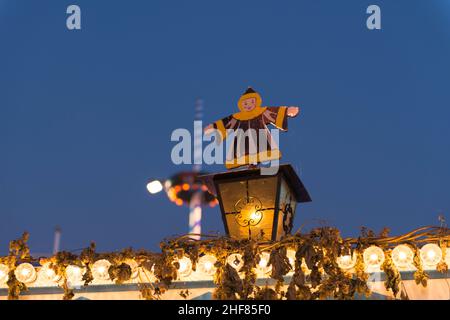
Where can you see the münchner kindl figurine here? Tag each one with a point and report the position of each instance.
(248, 149)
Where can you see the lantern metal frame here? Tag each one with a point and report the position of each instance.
(285, 172)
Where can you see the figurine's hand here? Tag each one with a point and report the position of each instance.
(208, 129)
(293, 111)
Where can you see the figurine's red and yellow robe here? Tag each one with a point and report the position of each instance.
(257, 119)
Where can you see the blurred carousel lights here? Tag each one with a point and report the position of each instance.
(235, 260)
(100, 269)
(181, 187)
(74, 273)
(185, 267)
(206, 264)
(263, 264)
(346, 262)
(154, 186)
(431, 254)
(3, 273)
(25, 273)
(373, 257)
(48, 274)
(402, 256)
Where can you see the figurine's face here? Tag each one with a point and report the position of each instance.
(249, 104)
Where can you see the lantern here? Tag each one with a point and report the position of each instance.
(255, 205)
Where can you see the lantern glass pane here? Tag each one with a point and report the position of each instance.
(249, 206)
(238, 232)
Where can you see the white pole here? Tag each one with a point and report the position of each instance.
(57, 240)
(195, 215)
(198, 136)
(195, 206)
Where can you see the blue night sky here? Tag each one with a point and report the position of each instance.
(86, 116)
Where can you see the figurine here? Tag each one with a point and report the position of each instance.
(249, 148)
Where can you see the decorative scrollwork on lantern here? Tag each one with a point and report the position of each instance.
(248, 211)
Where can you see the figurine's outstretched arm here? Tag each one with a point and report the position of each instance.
(221, 127)
(209, 129)
(277, 116)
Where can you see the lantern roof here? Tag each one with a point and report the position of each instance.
(291, 177)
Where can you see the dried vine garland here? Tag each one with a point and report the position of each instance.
(316, 273)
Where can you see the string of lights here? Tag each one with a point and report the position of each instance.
(201, 259)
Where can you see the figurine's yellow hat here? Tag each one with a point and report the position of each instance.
(250, 93)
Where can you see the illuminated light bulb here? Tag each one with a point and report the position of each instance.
(179, 202)
(431, 254)
(134, 268)
(74, 274)
(263, 266)
(373, 257)
(48, 274)
(255, 215)
(4, 270)
(235, 260)
(100, 269)
(402, 256)
(186, 187)
(185, 268)
(206, 264)
(154, 186)
(347, 261)
(25, 273)
(167, 184)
